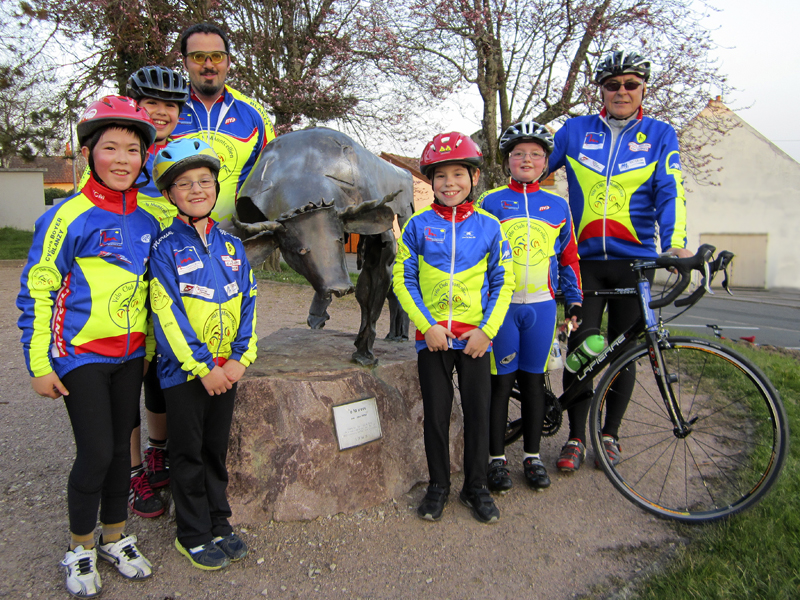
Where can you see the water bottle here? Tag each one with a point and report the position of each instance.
(591, 347)
(555, 362)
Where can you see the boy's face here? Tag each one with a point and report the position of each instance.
(197, 200)
(527, 161)
(164, 114)
(452, 183)
(117, 158)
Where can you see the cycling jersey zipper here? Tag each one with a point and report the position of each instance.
(216, 291)
(452, 273)
(527, 242)
(615, 150)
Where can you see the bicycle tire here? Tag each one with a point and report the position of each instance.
(737, 446)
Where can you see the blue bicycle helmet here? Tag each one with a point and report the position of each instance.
(178, 157)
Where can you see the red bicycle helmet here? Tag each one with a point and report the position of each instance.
(116, 110)
(453, 147)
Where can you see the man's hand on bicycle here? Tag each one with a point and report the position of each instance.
(573, 316)
(680, 252)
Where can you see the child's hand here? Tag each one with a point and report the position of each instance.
(49, 386)
(573, 316)
(233, 370)
(477, 342)
(436, 338)
(216, 382)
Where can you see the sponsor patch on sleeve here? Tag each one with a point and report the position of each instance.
(505, 251)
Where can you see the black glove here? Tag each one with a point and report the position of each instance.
(575, 310)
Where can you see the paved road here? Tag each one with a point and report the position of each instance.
(773, 317)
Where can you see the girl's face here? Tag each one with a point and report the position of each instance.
(194, 192)
(117, 158)
(164, 114)
(452, 183)
(527, 161)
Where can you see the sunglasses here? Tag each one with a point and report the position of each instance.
(200, 57)
(613, 86)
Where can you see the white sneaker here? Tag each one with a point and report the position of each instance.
(83, 580)
(126, 557)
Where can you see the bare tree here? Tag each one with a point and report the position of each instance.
(534, 58)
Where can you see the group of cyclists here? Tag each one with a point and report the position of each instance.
(134, 281)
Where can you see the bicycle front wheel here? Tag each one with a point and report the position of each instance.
(729, 456)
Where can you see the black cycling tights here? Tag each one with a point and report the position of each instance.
(622, 313)
(531, 388)
(102, 404)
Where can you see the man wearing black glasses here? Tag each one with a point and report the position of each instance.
(235, 126)
(625, 190)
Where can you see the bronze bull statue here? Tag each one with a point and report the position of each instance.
(307, 191)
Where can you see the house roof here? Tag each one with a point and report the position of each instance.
(405, 162)
(59, 168)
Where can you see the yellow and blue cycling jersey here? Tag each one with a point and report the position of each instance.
(453, 267)
(237, 128)
(83, 291)
(203, 297)
(618, 195)
(538, 225)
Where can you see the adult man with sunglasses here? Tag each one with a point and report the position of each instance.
(235, 126)
(625, 190)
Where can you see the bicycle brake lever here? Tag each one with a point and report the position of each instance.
(707, 278)
(725, 285)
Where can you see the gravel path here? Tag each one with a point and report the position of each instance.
(578, 539)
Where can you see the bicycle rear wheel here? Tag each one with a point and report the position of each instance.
(738, 436)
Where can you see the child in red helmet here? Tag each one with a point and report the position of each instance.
(84, 321)
(453, 277)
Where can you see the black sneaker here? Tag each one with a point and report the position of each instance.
(141, 499)
(156, 463)
(232, 545)
(535, 473)
(432, 504)
(498, 478)
(481, 503)
(208, 557)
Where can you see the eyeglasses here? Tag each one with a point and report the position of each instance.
(533, 155)
(200, 57)
(185, 186)
(613, 86)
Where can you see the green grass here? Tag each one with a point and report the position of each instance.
(14, 243)
(755, 555)
(288, 275)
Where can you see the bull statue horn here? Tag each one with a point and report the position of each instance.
(367, 205)
(256, 228)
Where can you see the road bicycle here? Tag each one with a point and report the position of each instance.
(705, 434)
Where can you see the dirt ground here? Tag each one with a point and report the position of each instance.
(578, 539)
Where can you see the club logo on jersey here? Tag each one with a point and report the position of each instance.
(544, 208)
(640, 137)
(159, 299)
(230, 120)
(228, 157)
(523, 253)
(591, 163)
(607, 204)
(460, 302)
(508, 359)
(233, 263)
(634, 147)
(187, 260)
(190, 289)
(229, 247)
(44, 278)
(632, 164)
(594, 140)
(509, 204)
(146, 238)
(111, 237)
(468, 235)
(434, 234)
(124, 305)
(219, 331)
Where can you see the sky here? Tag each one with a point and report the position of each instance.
(759, 52)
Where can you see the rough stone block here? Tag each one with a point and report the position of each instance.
(284, 460)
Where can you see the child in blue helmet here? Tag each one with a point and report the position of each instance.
(203, 297)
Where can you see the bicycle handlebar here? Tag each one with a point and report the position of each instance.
(701, 261)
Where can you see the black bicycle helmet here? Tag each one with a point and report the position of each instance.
(621, 62)
(526, 131)
(160, 83)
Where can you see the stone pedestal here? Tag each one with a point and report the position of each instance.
(284, 460)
